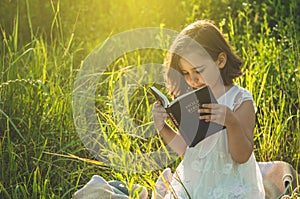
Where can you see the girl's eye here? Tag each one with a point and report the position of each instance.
(200, 71)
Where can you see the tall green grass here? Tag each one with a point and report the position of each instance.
(271, 57)
(38, 67)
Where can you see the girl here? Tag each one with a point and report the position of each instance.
(223, 165)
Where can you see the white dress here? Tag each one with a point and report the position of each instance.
(208, 171)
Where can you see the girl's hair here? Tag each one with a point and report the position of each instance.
(212, 41)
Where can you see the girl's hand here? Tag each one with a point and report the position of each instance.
(159, 116)
(217, 113)
(239, 127)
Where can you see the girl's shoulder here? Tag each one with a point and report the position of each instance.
(241, 95)
(236, 89)
(235, 96)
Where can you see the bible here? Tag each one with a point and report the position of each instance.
(183, 112)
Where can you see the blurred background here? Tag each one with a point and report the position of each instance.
(43, 44)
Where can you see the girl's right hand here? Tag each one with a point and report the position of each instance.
(159, 116)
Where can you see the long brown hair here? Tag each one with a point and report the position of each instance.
(212, 41)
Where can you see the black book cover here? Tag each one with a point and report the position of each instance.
(183, 112)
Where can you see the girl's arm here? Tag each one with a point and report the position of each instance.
(239, 126)
(240, 132)
(172, 138)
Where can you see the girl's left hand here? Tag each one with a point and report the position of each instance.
(217, 113)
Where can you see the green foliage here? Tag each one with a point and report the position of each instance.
(43, 45)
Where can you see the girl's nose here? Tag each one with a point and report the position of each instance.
(195, 77)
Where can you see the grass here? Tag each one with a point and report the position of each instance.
(38, 69)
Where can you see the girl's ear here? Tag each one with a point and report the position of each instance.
(222, 59)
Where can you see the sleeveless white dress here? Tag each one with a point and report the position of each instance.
(208, 171)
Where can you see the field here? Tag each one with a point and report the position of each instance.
(44, 47)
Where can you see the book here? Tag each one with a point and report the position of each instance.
(183, 112)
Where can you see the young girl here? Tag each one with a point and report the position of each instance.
(223, 165)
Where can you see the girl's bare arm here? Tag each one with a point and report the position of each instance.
(239, 126)
(173, 139)
(240, 132)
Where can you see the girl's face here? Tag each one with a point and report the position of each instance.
(199, 71)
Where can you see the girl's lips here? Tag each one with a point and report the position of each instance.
(199, 86)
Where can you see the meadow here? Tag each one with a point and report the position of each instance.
(44, 46)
